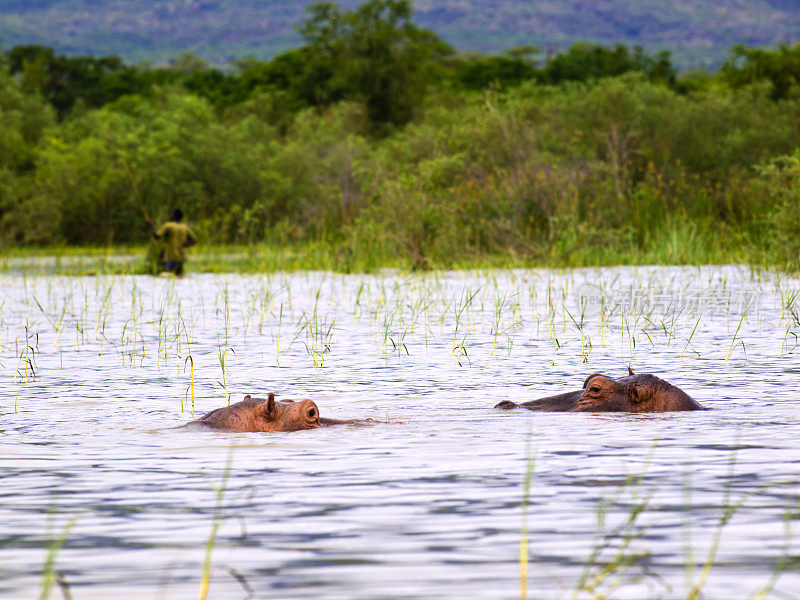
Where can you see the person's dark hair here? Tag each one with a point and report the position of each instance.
(177, 215)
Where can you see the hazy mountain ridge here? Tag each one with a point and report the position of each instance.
(698, 33)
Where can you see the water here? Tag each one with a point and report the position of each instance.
(430, 502)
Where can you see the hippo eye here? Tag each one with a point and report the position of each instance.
(312, 413)
(595, 389)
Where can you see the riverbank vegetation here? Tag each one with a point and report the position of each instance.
(376, 144)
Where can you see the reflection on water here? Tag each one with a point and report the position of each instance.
(98, 376)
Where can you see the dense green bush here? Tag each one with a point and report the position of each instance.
(474, 158)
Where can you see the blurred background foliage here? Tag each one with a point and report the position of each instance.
(376, 140)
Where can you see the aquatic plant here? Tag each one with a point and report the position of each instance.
(219, 492)
(523, 537)
(612, 552)
(49, 573)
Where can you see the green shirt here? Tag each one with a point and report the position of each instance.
(174, 237)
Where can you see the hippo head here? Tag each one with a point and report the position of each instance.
(634, 393)
(258, 414)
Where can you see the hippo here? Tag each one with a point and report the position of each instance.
(259, 414)
(634, 393)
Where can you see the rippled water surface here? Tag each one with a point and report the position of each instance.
(105, 496)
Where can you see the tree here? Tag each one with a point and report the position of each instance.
(781, 67)
(501, 71)
(188, 62)
(62, 79)
(374, 53)
(302, 72)
(586, 62)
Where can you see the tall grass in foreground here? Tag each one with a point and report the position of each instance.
(523, 542)
(205, 579)
(610, 573)
(612, 554)
(49, 573)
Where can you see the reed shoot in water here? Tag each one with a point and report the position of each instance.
(219, 492)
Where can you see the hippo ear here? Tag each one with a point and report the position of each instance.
(630, 371)
(585, 381)
(269, 409)
(247, 397)
(506, 405)
(638, 394)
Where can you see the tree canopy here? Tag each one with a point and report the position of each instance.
(374, 137)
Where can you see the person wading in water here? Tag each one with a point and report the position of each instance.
(175, 237)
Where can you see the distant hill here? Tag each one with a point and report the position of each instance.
(698, 33)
